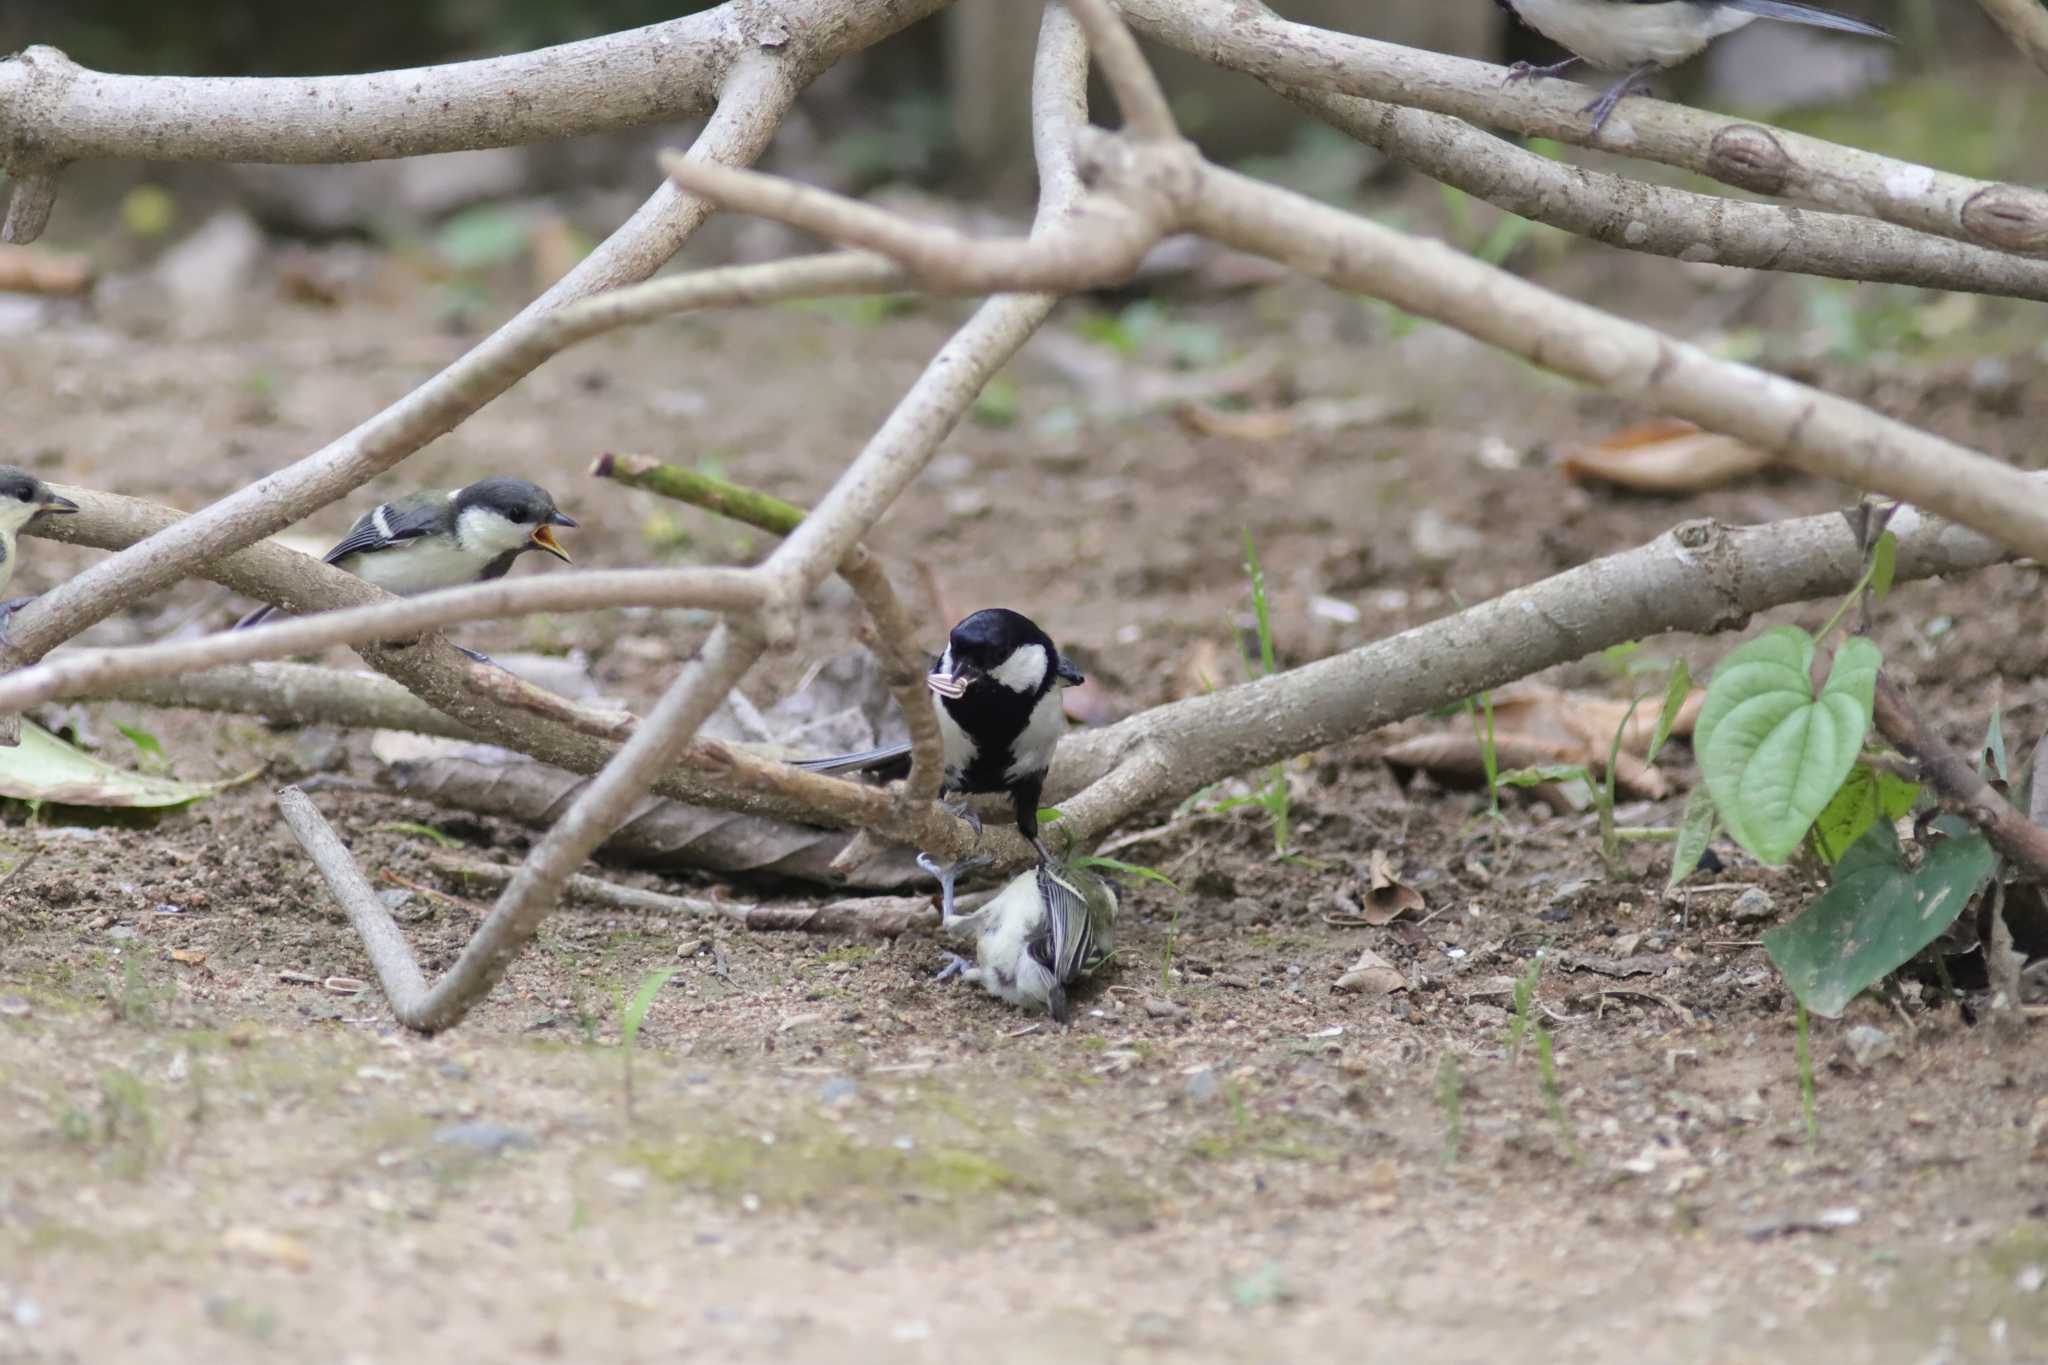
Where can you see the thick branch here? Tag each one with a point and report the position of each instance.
(52, 110)
(1662, 220)
(1957, 781)
(2026, 23)
(293, 694)
(1245, 36)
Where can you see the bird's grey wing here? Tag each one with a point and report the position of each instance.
(391, 523)
(1069, 937)
(1812, 15)
(861, 762)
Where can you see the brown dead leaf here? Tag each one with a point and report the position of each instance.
(1455, 760)
(1665, 456)
(1372, 975)
(38, 270)
(190, 956)
(261, 1244)
(1537, 726)
(1387, 898)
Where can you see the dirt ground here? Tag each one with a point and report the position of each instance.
(203, 1152)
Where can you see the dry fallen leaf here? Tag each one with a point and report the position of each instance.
(191, 956)
(38, 270)
(261, 1244)
(1665, 456)
(1387, 898)
(1539, 726)
(1372, 975)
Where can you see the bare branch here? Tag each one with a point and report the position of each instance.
(1955, 779)
(757, 93)
(29, 205)
(1663, 220)
(55, 111)
(294, 694)
(1145, 110)
(2026, 23)
(1245, 36)
(397, 972)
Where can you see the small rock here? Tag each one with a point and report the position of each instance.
(15, 1007)
(482, 1135)
(1869, 1046)
(1202, 1087)
(1753, 906)
(320, 749)
(121, 933)
(838, 1090)
(1159, 1008)
(1436, 539)
(2030, 1279)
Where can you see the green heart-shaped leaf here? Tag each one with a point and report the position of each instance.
(1773, 753)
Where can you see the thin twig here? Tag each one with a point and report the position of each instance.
(1129, 76)
(2026, 23)
(1957, 781)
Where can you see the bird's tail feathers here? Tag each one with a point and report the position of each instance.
(851, 763)
(1814, 16)
(256, 617)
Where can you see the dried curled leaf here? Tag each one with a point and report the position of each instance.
(1387, 898)
(1371, 975)
(1665, 456)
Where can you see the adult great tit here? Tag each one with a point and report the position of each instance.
(23, 498)
(1045, 930)
(444, 540)
(1640, 36)
(996, 691)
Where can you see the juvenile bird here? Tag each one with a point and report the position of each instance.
(1051, 926)
(443, 540)
(23, 498)
(996, 691)
(1640, 36)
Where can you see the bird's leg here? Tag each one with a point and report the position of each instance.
(1523, 71)
(7, 610)
(1024, 800)
(1634, 83)
(956, 965)
(948, 875)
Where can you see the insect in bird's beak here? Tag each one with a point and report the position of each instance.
(544, 536)
(951, 686)
(57, 502)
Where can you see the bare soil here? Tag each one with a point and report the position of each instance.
(204, 1152)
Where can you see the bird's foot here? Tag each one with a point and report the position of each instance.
(956, 965)
(948, 876)
(964, 810)
(1528, 71)
(7, 610)
(1636, 82)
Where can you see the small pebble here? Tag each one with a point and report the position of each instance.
(121, 933)
(1752, 906)
(1202, 1086)
(838, 1090)
(482, 1135)
(1869, 1046)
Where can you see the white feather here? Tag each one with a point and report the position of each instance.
(416, 566)
(1618, 35)
(1033, 749)
(1024, 670)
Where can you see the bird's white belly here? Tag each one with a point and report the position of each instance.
(1034, 747)
(1617, 34)
(421, 566)
(956, 749)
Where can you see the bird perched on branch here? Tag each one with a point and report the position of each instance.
(1048, 928)
(1641, 36)
(997, 693)
(443, 540)
(23, 498)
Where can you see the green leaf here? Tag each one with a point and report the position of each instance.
(1863, 797)
(484, 237)
(1547, 772)
(1883, 563)
(1675, 693)
(1994, 744)
(1773, 753)
(1150, 874)
(414, 827)
(147, 744)
(43, 768)
(1878, 913)
(1695, 832)
(636, 1009)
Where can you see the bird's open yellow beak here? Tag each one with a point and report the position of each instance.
(544, 536)
(57, 502)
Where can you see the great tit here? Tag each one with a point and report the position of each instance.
(1047, 929)
(444, 540)
(1640, 36)
(23, 498)
(996, 691)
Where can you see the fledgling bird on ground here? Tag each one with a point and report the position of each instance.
(1641, 36)
(443, 540)
(1051, 926)
(23, 498)
(997, 693)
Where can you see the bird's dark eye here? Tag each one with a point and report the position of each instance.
(23, 494)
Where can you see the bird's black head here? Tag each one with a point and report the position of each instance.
(526, 505)
(23, 495)
(1003, 648)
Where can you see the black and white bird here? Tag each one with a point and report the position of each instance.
(23, 498)
(435, 540)
(997, 693)
(1642, 36)
(1045, 930)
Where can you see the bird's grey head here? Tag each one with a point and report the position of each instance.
(509, 515)
(23, 497)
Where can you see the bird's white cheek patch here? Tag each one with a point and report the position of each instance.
(1024, 670)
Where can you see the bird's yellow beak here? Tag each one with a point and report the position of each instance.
(57, 502)
(544, 536)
